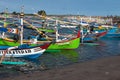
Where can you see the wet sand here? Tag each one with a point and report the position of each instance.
(107, 68)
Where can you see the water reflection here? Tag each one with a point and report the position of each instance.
(60, 58)
(107, 47)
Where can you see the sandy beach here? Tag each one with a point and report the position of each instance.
(107, 68)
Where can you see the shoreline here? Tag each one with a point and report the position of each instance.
(107, 68)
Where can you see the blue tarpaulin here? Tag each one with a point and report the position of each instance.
(3, 29)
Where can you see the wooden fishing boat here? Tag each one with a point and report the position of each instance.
(20, 49)
(66, 44)
(23, 51)
(72, 43)
(113, 35)
(62, 44)
(94, 36)
(12, 42)
(113, 32)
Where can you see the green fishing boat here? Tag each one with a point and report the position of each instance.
(66, 44)
(8, 42)
(63, 44)
(12, 43)
(72, 43)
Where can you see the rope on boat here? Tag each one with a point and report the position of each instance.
(63, 22)
(5, 52)
(40, 32)
(2, 58)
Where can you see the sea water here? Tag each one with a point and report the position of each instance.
(106, 47)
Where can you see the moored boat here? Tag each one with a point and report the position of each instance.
(23, 51)
(63, 44)
(66, 44)
(113, 32)
(94, 36)
(19, 49)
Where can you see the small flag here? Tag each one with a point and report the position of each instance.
(13, 30)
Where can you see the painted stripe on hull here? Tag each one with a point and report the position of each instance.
(23, 52)
(73, 44)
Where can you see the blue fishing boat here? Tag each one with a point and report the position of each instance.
(113, 32)
(93, 36)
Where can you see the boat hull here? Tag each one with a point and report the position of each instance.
(4, 42)
(71, 44)
(114, 35)
(94, 36)
(25, 53)
(66, 44)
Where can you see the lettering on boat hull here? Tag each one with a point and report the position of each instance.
(22, 52)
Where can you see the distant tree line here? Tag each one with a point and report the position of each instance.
(42, 12)
(116, 19)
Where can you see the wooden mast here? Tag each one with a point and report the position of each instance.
(56, 30)
(21, 29)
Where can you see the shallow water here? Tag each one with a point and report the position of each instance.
(107, 47)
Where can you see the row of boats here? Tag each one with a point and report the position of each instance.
(33, 48)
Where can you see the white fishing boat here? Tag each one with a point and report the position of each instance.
(23, 51)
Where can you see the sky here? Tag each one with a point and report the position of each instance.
(78, 7)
